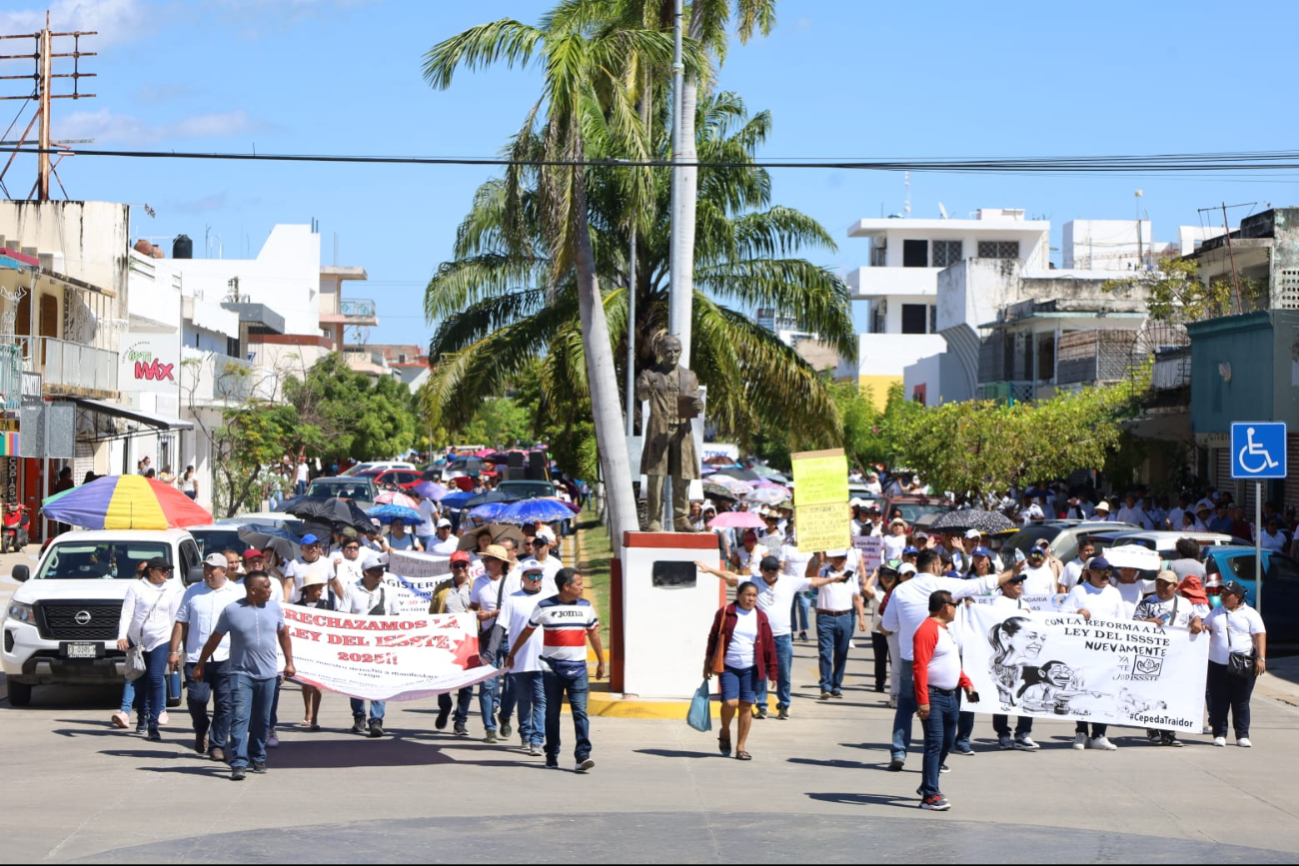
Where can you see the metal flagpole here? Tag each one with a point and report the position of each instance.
(678, 87)
(631, 337)
(1258, 547)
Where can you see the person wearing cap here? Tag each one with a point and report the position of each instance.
(1235, 627)
(148, 612)
(836, 601)
(1011, 598)
(525, 674)
(746, 557)
(770, 541)
(1203, 515)
(873, 483)
(494, 697)
(542, 558)
(347, 559)
(369, 596)
(878, 587)
(455, 596)
(317, 596)
(776, 594)
(1103, 512)
(906, 571)
(1095, 598)
(311, 562)
(255, 624)
(445, 542)
(1168, 608)
(196, 617)
(372, 538)
(1039, 577)
(937, 680)
(252, 560)
(896, 541)
(908, 607)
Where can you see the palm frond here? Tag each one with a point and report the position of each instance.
(481, 46)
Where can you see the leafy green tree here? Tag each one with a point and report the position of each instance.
(1177, 293)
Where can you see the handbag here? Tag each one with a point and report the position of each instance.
(700, 716)
(1239, 665)
(135, 667)
(719, 654)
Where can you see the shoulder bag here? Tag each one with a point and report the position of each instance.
(135, 667)
(719, 654)
(1239, 665)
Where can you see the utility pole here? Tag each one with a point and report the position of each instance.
(1231, 252)
(44, 55)
(678, 307)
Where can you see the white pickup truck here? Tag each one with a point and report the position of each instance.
(61, 625)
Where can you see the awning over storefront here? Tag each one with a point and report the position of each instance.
(130, 414)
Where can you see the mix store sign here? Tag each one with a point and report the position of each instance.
(149, 362)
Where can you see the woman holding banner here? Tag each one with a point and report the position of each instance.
(1237, 656)
(1091, 599)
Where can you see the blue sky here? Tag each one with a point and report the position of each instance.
(846, 79)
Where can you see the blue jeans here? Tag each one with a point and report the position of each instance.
(376, 709)
(799, 610)
(906, 711)
(300, 488)
(964, 727)
(128, 698)
(940, 736)
(530, 691)
(833, 634)
(427, 541)
(252, 718)
(272, 501)
(215, 685)
(464, 698)
(785, 665)
(496, 696)
(151, 689)
(556, 686)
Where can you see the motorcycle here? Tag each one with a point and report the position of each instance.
(14, 532)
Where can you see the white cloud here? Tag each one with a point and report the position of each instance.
(108, 128)
(115, 20)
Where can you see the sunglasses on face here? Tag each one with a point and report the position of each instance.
(351, 547)
(539, 542)
(456, 565)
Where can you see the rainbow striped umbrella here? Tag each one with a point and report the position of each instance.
(125, 502)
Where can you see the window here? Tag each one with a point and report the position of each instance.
(914, 318)
(998, 249)
(915, 254)
(933, 319)
(946, 253)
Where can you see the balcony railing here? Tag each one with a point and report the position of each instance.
(357, 308)
(70, 367)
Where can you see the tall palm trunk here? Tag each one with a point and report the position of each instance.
(602, 378)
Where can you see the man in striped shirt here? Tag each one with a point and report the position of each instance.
(568, 621)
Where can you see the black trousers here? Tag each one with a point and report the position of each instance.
(881, 646)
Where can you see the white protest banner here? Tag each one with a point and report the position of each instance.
(413, 577)
(1048, 665)
(1039, 603)
(871, 548)
(385, 658)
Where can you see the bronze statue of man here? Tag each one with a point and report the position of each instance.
(669, 449)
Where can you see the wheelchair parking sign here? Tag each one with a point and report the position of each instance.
(1258, 450)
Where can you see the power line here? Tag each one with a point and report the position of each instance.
(1125, 164)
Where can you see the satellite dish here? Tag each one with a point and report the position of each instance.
(942, 210)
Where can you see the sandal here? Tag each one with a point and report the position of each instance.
(743, 756)
(724, 743)
(315, 727)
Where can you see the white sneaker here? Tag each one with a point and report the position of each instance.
(121, 720)
(852, 644)
(893, 702)
(1244, 742)
(583, 766)
(1080, 741)
(163, 718)
(1026, 744)
(1101, 743)
(1220, 741)
(272, 740)
(1005, 743)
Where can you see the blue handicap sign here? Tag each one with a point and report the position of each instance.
(1258, 450)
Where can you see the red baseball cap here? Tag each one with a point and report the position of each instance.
(253, 553)
(460, 556)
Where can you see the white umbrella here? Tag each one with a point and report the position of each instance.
(1134, 556)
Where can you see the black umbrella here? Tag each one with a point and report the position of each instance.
(740, 474)
(283, 542)
(491, 496)
(963, 521)
(333, 511)
(497, 459)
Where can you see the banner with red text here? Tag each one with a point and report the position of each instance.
(385, 658)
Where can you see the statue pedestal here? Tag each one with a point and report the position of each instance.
(663, 609)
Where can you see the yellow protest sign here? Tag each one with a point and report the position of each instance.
(820, 477)
(823, 527)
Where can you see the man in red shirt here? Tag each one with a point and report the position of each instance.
(938, 675)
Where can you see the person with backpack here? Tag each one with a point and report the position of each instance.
(369, 596)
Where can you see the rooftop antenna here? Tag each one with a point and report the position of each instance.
(942, 210)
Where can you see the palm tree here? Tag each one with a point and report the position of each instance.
(498, 312)
(584, 99)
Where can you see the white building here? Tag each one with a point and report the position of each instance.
(900, 285)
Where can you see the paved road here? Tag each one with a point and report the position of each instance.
(816, 791)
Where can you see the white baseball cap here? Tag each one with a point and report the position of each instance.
(373, 560)
(973, 533)
(444, 523)
(907, 568)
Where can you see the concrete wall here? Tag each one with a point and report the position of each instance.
(1106, 245)
(88, 240)
(1232, 343)
(889, 354)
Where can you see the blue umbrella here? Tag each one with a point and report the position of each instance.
(389, 513)
(456, 500)
(536, 511)
(431, 490)
(489, 511)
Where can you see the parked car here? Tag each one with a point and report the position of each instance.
(1063, 535)
(217, 538)
(382, 466)
(1165, 543)
(267, 518)
(362, 491)
(399, 479)
(1280, 586)
(60, 626)
(528, 489)
(915, 507)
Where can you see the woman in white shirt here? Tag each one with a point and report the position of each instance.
(742, 651)
(148, 614)
(1233, 628)
(1273, 536)
(1094, 598)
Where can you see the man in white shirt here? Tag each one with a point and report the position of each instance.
(311, 562)
(907, 609)
(1073, 571)
(836, 601)
(427, 527)
(1132, 512)
(873, 483)
(541, 558)
(494, 697)
(794, 564)
(196, 617)
(525, 676)
(776, 594)
(1039, 576)
(369, 596)
(1176, 514)
(347, 561)
(443, 543)
(300, 485)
